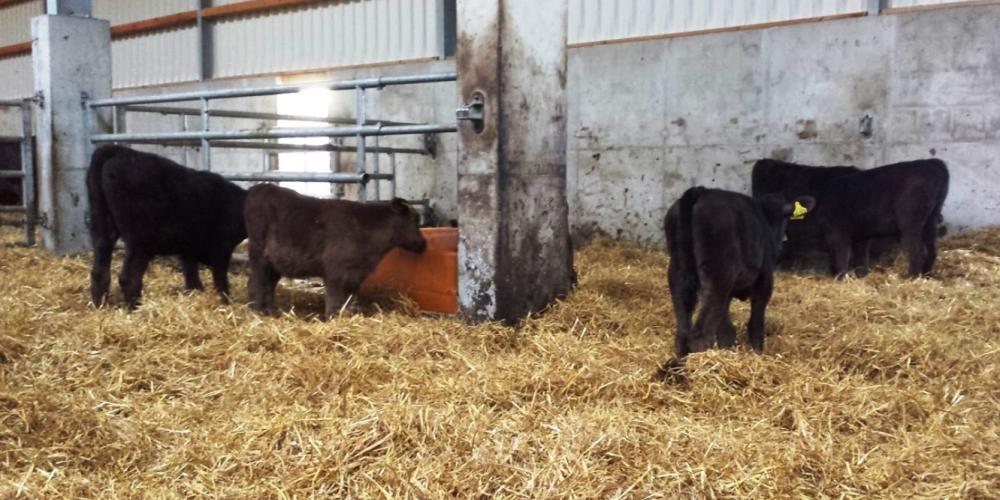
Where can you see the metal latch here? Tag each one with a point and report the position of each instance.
(474, 111)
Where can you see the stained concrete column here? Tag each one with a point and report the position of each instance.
(71, 57)
(514, 251)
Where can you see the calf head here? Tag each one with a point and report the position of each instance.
(777, 213)
(406, 227)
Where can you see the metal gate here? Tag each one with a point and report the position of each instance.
(206, 139)
(26, 174)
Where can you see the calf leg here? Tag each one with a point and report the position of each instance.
(713, 324)
(839, 246)
(913, 242)
(220, 277)
(191, 279)
(860, 253)
(100, 271)
(263, 279)
(336, 295)
(131, 275)
(930, 244)
(759, 297)
(684, 294)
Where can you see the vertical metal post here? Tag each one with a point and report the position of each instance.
(337, 190)
(206, 147)
(375, 169)
(28, 173)
(118, 119)
(392, 170)
(360, 112)
(184, 149)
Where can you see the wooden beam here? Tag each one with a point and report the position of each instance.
(155, 24)
(254, 6)
(15, 49)
(6, 3)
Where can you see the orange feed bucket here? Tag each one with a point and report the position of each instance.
(430, 278)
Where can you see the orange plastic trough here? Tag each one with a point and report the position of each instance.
(430, 278)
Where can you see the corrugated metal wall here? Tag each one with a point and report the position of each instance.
(368, 31)
(154, 58)
(15, 27)
(594, 20)
(327, 35)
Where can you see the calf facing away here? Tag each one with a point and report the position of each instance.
(158, 207)
(723, 245)
(338, 240)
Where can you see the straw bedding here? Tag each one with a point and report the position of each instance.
(879, 387)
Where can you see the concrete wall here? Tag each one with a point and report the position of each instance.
(647, 120)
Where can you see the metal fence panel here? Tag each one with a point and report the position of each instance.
(596, 20)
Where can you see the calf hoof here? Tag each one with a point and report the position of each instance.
(671, 371)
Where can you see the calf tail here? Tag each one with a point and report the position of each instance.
(942, 191)
(103, 231)
(685, 240)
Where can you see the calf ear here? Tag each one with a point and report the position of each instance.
(400, 206)
(798, 208)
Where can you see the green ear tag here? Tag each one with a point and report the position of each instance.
(799, 212)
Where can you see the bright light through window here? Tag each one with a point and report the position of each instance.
(311, 102)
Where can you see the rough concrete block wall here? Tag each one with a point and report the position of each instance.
(647, 120)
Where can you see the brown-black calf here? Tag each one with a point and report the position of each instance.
(338, 240)
(723, 245)
(158, 207)
(901, 201)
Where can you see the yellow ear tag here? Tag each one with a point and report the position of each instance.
(799, 212)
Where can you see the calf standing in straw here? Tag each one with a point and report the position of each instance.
(158, 207)
(338, 240)
(725, 245)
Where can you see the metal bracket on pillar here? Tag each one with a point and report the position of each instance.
(474, 111)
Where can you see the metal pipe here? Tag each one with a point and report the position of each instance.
(28, 168)
(375, 170)
(359, 112)
(254, 115)
(206, 147)
(11, 174)
(10, 103)
(392, 172)
(338, 190)
(184, 149)
(281, 146)
(335, 177)
(276, 133)
(275, 90)
(11, 208)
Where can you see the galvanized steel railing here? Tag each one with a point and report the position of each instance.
(26, 174)
(362, 128)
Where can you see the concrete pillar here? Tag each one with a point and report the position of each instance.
(514, 251)
(71, 57)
